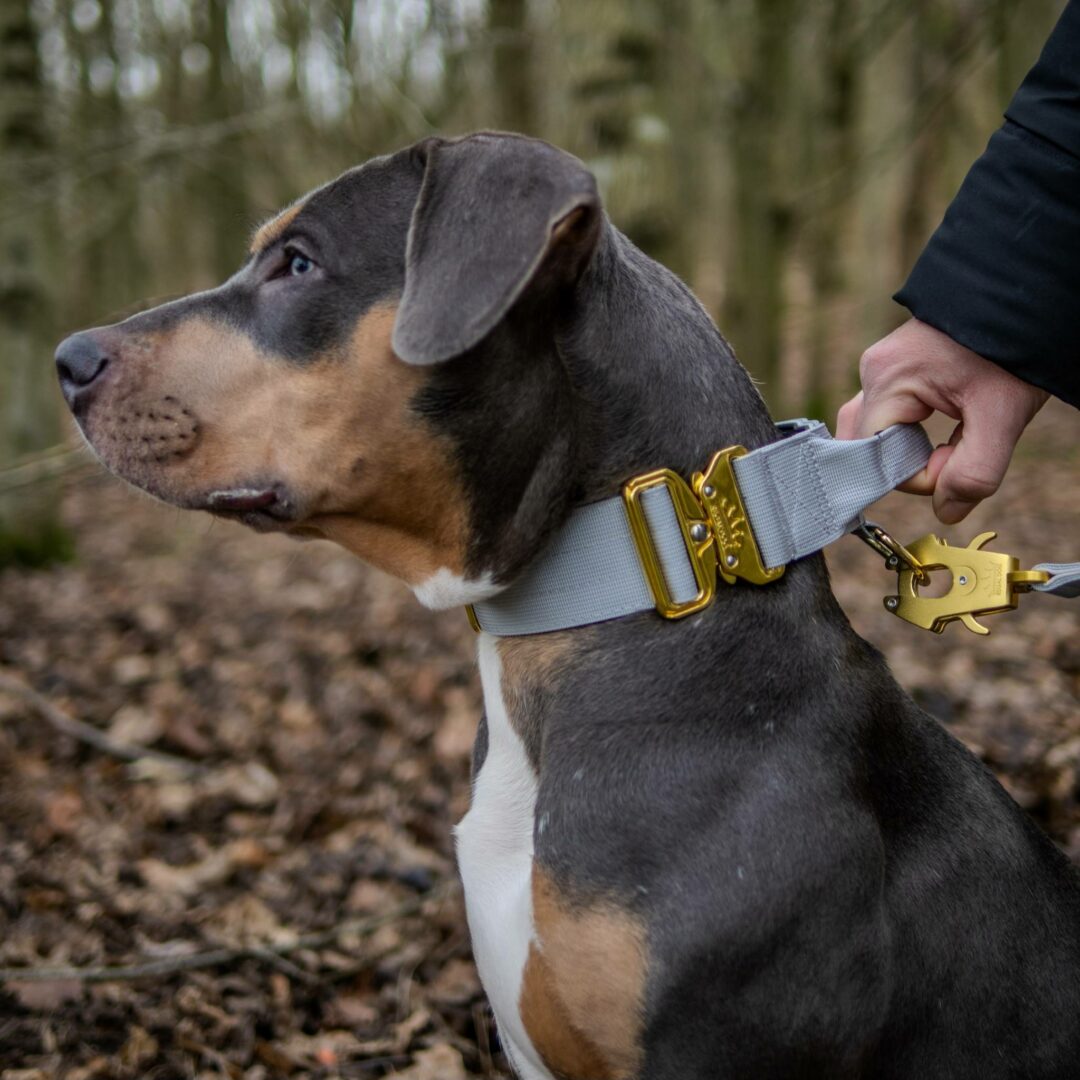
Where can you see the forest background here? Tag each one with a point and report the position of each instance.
(788, 159)
(231, 764)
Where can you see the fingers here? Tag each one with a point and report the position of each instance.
(891, 393)
(888, 406)
(869, 412)
(925, 480)
(975, 466)
(916, 371)
(847, 419)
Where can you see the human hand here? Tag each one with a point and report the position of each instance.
(917, 371)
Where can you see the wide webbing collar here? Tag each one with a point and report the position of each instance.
(666, 543)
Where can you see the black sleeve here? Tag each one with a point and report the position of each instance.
(1002, 273)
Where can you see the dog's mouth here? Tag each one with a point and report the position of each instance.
(261, 508)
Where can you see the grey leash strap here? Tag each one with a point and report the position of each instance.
(807, 490)
(800, 493)
(1064, 579)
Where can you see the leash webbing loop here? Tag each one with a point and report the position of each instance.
(1064, 579)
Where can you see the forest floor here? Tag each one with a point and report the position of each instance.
(282, 902)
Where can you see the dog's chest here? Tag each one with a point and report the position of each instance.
(495, 857)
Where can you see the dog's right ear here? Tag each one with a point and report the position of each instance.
(491, 210)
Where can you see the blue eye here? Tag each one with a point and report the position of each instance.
(299, 264)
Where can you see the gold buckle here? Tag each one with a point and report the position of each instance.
(714, 526)
(695, 532)
(983, 583)
(737, 553)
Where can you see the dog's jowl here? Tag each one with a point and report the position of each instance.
(728, 846)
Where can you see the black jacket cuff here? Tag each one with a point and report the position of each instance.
(1002, 273)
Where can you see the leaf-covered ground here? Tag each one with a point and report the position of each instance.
(324, 723)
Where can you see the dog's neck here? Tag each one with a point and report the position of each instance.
(577, 390)
(654, 384)
(657, 384)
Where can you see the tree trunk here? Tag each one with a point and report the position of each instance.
(682, 102)
(617, 98)
(29, 410)
(226, 193)
(762, 208)
(515, 93)
(836, 154)
(942, 36)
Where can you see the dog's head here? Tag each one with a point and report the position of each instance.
(397, 366)
(309, 393)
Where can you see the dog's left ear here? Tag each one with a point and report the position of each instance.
(491, 209)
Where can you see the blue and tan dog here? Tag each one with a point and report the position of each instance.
(728, 846)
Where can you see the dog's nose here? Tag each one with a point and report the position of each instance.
(80, 359)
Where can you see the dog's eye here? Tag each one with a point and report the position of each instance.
(299, 264)
(290, 262)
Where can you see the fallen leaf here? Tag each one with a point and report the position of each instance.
(440, 1062)
(455, 984)
(45, 996)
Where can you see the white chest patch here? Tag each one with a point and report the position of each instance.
(445, 589)
(495, 850)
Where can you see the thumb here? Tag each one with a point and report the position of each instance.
(871, 412)
(974, 469)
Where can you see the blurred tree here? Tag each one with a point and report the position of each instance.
(102, 119)
(834, 157)
(788, 159)
(763, 211)
(943, 36)
(684, 101)
(511, 43)
(224, 191)
(30, 530)
(619, 112)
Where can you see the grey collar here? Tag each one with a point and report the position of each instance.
(663, 544)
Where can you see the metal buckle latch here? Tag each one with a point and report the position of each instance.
(983, 583)
(714, 526)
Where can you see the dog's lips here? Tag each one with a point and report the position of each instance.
(241, 500)
(260, 508)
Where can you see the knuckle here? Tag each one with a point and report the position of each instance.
(974, 483)
(873, 360)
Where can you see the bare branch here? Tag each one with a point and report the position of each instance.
(87, 733)
(271, 953)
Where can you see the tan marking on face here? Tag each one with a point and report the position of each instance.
(270, 230)
(583, 989)
(338, 432)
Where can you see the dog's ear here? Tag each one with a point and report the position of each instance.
(491, 209)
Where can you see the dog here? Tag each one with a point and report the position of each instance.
(728, 846)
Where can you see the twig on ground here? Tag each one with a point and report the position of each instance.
(271, 953)
(285, 966)
(87, 733)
